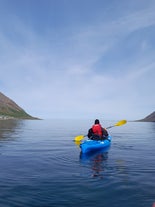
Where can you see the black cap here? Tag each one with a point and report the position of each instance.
(97, 121)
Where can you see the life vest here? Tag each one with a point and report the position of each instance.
(97, 129)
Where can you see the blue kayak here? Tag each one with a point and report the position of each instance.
(89, 145)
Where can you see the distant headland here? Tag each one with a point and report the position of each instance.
(10, 110)
(149, 118)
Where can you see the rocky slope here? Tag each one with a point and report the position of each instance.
(10, 110)
(149, 118)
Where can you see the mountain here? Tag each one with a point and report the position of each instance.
(10, 110)
(149, 118)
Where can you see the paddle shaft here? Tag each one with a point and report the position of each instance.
(110, 127)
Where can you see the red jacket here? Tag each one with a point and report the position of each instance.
(97, 129)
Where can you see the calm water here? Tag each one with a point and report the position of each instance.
(40, 166)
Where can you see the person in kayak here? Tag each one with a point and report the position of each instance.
(97, 132)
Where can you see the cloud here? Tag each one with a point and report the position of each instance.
(93, 68)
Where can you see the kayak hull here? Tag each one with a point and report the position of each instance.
(89, 145)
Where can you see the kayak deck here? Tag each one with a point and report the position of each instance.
(95, 145)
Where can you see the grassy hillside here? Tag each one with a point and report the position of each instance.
(6, 111)
(9, 109)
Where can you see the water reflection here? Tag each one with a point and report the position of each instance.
(97, 162)
(9, 127)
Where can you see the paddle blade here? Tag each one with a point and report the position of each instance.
(78, 138)
(78, 143)
(120, 123)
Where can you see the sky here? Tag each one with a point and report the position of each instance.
(79, 58)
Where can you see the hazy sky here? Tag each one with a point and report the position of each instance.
(79, 58)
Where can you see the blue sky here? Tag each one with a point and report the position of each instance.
(79, 58)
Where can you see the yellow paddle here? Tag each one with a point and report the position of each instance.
(119, 123)
(79, 138)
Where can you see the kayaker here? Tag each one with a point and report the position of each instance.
(97, 132)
